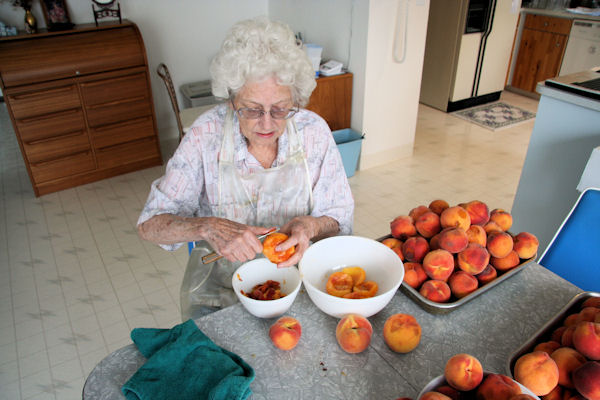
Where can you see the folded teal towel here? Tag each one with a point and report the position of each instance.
(183, 363)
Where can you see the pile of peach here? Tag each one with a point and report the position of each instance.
(452, 251)
(464, 379)
(350, 283)
(565, 364)
(401, 332)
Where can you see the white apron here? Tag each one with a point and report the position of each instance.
(269, 197)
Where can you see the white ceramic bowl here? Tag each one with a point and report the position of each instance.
(259, 271)
(324, 257)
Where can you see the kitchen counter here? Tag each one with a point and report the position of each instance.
(491, 327)
(559, 14)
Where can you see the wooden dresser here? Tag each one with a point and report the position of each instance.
(332, 100)
(81, 104)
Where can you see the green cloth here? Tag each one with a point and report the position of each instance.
(183, 363)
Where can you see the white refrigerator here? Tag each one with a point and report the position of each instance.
(467, 52)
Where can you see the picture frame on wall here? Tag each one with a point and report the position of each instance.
(56, 15)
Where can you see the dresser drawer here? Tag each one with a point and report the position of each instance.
(41, 102)
(51, 125)
(548, 24)
(117, 111)
(56, 147)
(109, 135)
(61, 167)
(108, 91)
(127, 153)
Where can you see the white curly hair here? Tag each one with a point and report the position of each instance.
(259, 48)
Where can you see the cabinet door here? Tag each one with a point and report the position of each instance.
(539, 58)
(332, 100)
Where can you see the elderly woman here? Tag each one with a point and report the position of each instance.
(254, 162)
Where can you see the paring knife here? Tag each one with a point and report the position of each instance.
(212, 257)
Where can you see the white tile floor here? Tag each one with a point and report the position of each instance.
(75, 278)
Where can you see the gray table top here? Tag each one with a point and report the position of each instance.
(490, 327)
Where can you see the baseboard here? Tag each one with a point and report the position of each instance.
(383, 157)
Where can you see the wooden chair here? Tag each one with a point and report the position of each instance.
(573, 252)
(163, 72)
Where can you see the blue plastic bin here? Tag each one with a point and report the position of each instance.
(349, 143)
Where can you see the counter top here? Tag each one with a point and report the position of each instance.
(568, 97)
(490, 327)
(559, 14)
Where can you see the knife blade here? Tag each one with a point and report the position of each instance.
(212, 257)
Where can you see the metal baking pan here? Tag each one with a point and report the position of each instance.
(440, 381)
(444, 308)
(544, 333)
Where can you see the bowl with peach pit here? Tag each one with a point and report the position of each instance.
(350, 275)
(264, 290)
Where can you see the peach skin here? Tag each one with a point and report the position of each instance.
(488, 274)
(438, 264)
(497, 387)
(353, 333)
(462, 283)
(506, 263)
(453, 240)
(478, 211)
(473, 259)
(415, 248)
(402, 333)
(285, 333)
(414, 275)
(567, 360)
(476, 234)
(435, 290)
(428, 224)
(526, 245)
(586, 379)
(455, 217)
(586, 339)
(434, 396)
(403, 227)
(499, 244)
(463, 372)
(502, 218)
(416, 212)
(438, 206)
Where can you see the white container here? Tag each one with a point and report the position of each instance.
(259, 271)
(326, 256)
(314, 52)
(197, 94)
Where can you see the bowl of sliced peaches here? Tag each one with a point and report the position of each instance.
(350, 275)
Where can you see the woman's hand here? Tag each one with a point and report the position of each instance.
(232, 240)
(301, 230)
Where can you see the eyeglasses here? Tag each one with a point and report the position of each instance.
(256, 113)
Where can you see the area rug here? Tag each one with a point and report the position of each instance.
(495, 116)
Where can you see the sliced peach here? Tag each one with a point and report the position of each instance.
(271, 242)
(357, 273)
(339, 284)
(367, 288)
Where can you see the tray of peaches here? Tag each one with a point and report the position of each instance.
(452, 254)
(562, 359)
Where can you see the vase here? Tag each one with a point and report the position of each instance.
(30, 22)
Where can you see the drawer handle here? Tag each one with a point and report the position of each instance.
(53, 138)
(50, 92)
(117, 102)
(48, 116)
(126, 123)
(54, 160)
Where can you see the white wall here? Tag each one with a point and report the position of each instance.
(391, 97)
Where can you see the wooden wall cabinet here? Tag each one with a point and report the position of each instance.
(332, 100)
(541, 50)
(80, 103)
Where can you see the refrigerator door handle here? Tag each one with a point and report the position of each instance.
(489, 21)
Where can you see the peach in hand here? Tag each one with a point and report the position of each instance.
(438, 264)
(463, 372)
(586, 379)
(537, 371)
(271, 242)
(353, 333)
(285, 333)
(402, 333)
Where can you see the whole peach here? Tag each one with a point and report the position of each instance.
(403, 227)
(449, 391)
(591, 302)
(473, 259)
(557, 334)
(488, 274)
(478, 211)
(506, 263)
(453, 240)
(463, 372)
(499, 244)
(588, 314)
(455, 217)
(414, 275)
(537, 371)
(392, 242)
(438, 264)
(476, 234)
(567, 359)
(567, 336)
(586, 379)
(402, 333)
(522, 396)
(415, 248)
(586, 339)
(491, 226)
(353, 333)
(418, 211)
(434, 396)
(285, 333)
(548, 346)
(526, 245)
(571, 319)
(555, 394)
(434, 242)
(428, 224)
(435, 290)
(502, 218)
(438, 205)
(462, 283)
(497, 387)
